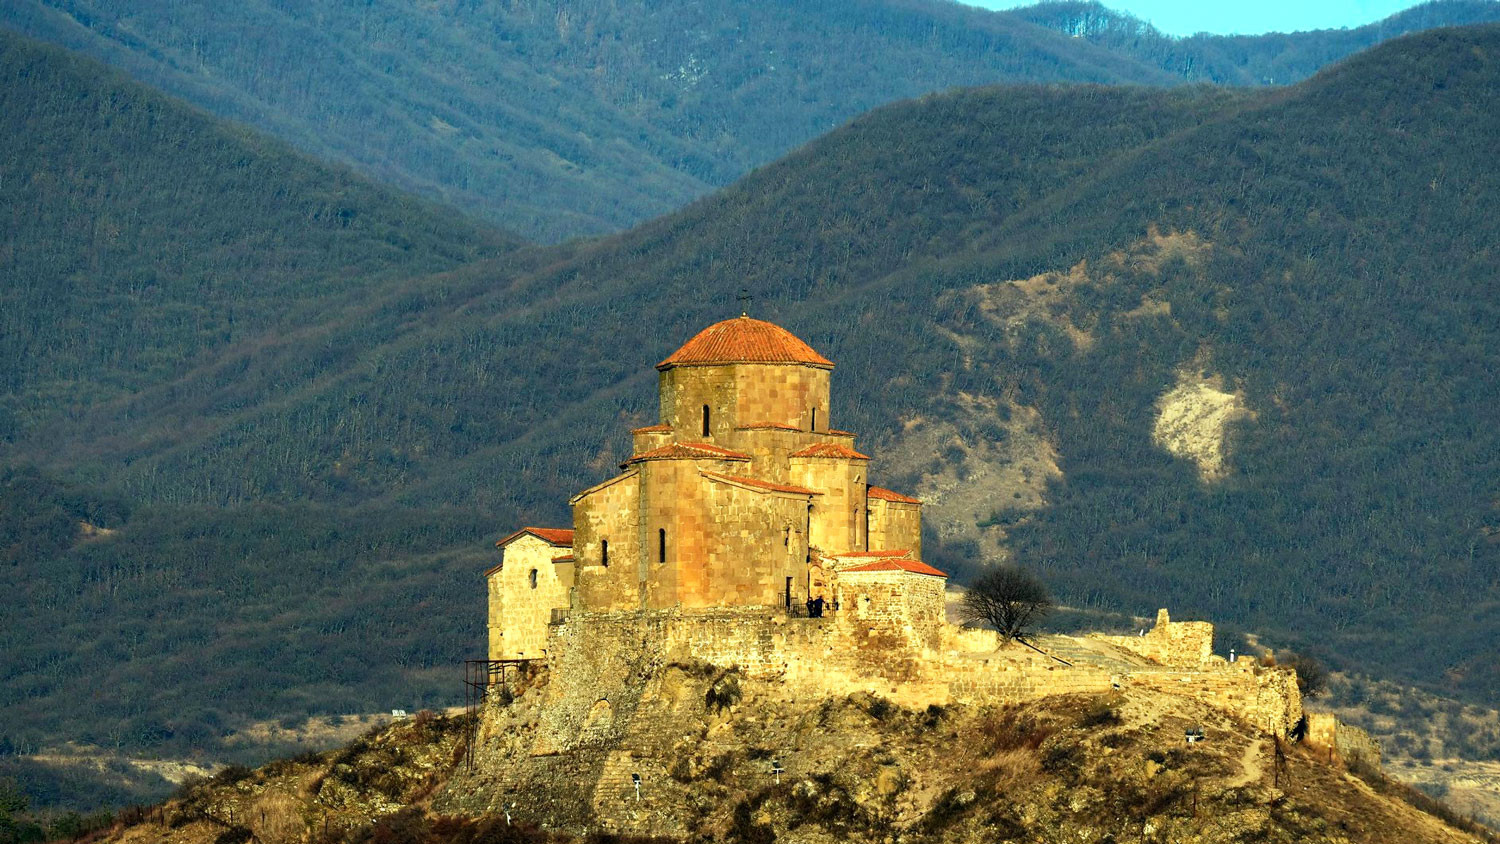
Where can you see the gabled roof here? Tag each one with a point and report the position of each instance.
(889, 495)
(687, 451)
(767, 426)
(561, 537)
(898, 553)
(830, 450)
(653, 429)
(623, 476)
(566, 558)
(760, 484)
(744, 340)
(912, 566)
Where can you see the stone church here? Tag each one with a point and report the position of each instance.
(744, 495)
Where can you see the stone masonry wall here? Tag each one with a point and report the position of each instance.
(838, 515)
(1325, 730)
(848, 653)
(782, 395)
(522, 593)
(1183, 644)
(608, 513)
(895, 525)
(910, 606)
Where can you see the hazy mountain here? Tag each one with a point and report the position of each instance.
(1275, 58)
(1227, 351)
(572, 117)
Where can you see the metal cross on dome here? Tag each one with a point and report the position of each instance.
(745, 299)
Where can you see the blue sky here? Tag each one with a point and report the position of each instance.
(1243, 17)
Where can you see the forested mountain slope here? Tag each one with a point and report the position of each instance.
(140, 235)
(1227, 351)
(571, 117)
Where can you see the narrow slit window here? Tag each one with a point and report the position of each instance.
(705, 420)
(661, 545)
(532, 577)
(604, 551)
(814, 425)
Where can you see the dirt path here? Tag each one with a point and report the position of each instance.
(1253, 765)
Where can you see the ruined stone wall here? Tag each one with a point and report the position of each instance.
(523, 591)
(838, 515)
(608, 513)
(895, 525)
(1265, 697)
(1183, 644)
(1349, 743)
(595, 658)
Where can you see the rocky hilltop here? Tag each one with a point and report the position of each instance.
(1068, 768)
(722, 755)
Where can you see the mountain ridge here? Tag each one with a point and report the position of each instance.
(614, 114)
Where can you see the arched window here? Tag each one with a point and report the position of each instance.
(532, 578)
(661, 545)
(705, 420)
(604, 551)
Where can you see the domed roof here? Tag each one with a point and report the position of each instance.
(744, 340)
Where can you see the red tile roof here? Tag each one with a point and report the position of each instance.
(744, 340)
(687, 451)
(887, 495)
(653, 429)
(553, 536)
(760, 484)
(830, 450)
(566, 558)
(913, 566)
(760, 426)
(901, 553)
(838, 433)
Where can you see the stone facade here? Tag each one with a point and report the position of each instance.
(738, 497)
(534, 578)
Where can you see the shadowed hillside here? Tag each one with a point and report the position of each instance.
(141, 236)
(580, 117)
(1230, 351)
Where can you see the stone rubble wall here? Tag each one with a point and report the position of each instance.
(914, 665)
(1181, 644)
(1348, 742)
(1266, 697)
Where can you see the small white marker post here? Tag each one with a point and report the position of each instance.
(777, 769)
(635, 779)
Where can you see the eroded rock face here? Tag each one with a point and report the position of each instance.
(1193, 419)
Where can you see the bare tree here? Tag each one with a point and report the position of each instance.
(1009, 598)
(1312, 677)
